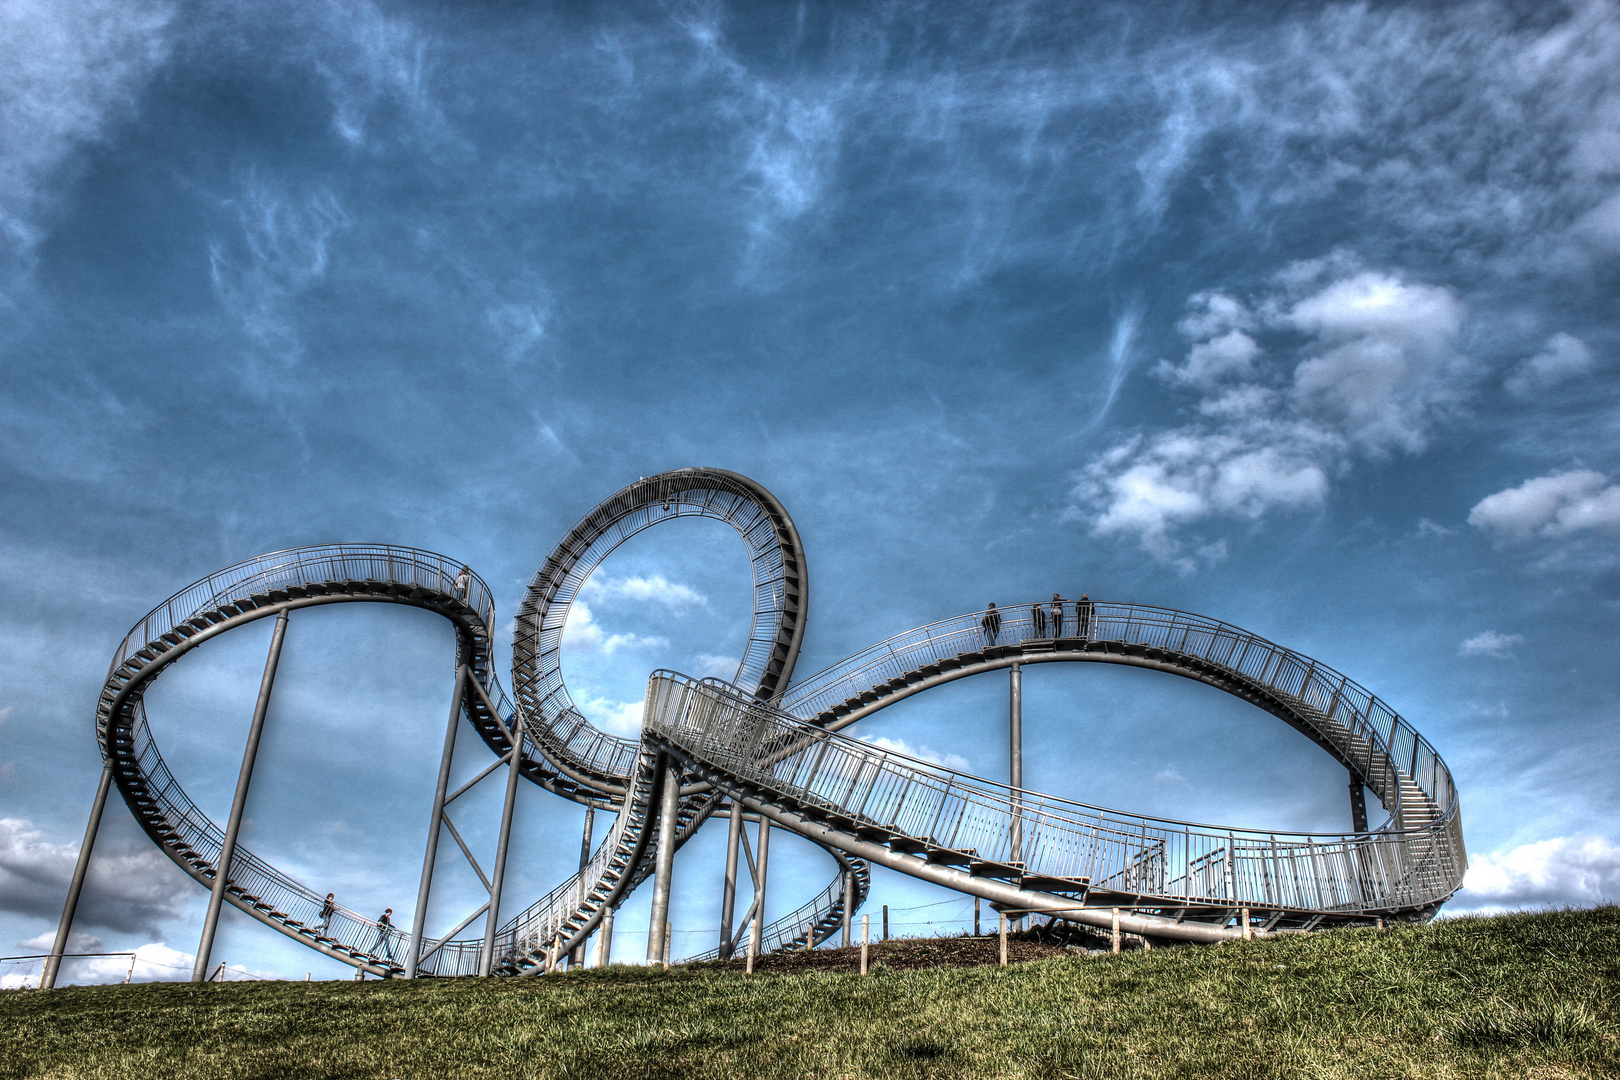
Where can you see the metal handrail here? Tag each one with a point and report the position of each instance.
(265, 573)
(1327, 694)
(946, 811)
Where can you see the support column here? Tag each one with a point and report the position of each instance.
(664, 868)
(578, 959)
(849, 903)
(233, 825)
(435, 824)
(728, 895)
(47, 977)
(1358, 804)
(604, 942)
(497, 877)
(1015, 731)
(761, 864)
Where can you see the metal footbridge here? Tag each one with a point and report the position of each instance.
(761, 748)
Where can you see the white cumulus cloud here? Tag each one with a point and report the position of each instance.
(711, 665)
(622, 718)
(1555, 507)
(583, 632)
(655, 589)
(1561, 359)
(1377, 367)
(1490, 643)
(1573, 870)
(954, 762)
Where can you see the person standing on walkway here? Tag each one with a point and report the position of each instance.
(1057, 615)
(1038, 617)
(328, 909)
(1082, 616)
(463, 580)
(991, 624)
(385, 923)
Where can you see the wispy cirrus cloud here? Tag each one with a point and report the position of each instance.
(65, 71)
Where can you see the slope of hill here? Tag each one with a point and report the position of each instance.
(1531, 995)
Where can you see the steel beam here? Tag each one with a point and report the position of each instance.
(53, 963)
(668, 811)
(413, 950)
(577, 959)
(497, 877)
(233, 825)
(728, 894)
(761, 864)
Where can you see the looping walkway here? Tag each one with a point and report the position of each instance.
(762, 746)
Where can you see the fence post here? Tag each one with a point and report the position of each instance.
(1116, 929)
(866, 939)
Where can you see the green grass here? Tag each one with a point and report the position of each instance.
(1515, 996)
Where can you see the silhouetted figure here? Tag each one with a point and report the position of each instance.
(385, 923)
(463, 580)
(1082, 616)
(1038, 617)
(328, 909)
(1057, 615)
(991, 624)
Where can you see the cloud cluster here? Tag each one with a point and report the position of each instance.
(1490, 643)
(1563, 358)
(1561, 506)
(583, 632)
(1574, 870)
(711, 665)
(133, 891)
(1335, 362)
(621, 718)
(954, 762)
(655, 589)
(152, 962)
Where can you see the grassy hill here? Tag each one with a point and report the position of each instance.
(1518, 995)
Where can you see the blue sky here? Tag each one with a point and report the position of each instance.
(1301, 318)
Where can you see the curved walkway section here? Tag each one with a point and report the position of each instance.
(221, 602)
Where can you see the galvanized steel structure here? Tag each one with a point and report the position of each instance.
(762, 748)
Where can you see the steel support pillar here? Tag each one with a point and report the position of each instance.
(604, 942)
(435, 825)
(761, 861)
(728, 894)
(53, 963)
(1358, 804)
(849, 903)
(497, 877)
(578, 959)
(1015, 732)
(668, 809)
(233, 825)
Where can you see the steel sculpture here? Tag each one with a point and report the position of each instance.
(761, 748)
